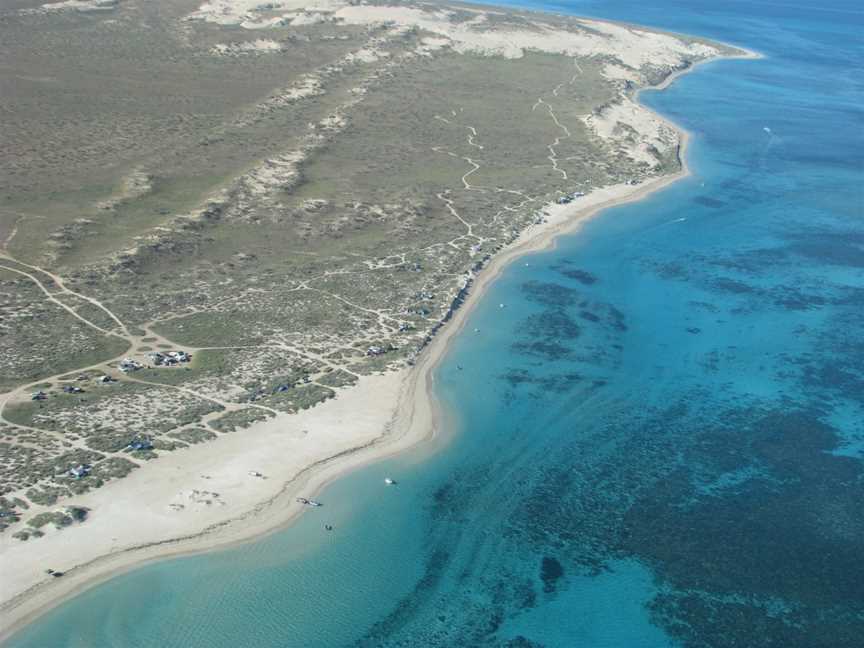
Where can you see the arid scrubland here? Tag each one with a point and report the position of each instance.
(294, 194)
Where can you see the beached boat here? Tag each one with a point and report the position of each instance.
(302, 500)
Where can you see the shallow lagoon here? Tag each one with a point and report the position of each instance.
(660, 436)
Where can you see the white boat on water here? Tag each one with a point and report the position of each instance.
(389, 482)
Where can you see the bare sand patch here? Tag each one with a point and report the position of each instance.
(632, 47)
(74, 5)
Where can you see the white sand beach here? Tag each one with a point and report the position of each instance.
(207, 496)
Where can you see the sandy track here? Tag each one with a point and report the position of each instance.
(297, 453)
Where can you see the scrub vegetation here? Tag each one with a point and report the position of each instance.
(203, 225)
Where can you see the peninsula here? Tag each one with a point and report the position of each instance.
(235, 237)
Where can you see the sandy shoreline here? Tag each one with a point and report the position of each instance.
(135, 519)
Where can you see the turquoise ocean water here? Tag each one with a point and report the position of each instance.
(660, 439)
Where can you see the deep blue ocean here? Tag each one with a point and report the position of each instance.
(660, 438)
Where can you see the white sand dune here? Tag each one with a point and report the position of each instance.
(162, 509)
(204, 496)
(633, 47)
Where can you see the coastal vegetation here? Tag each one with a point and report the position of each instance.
(217, 214)
(287, 212)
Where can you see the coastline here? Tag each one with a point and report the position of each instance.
(411, 417)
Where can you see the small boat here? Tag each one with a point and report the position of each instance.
(313, 503)
(302, 500)
(389, 482)
(255, 473)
